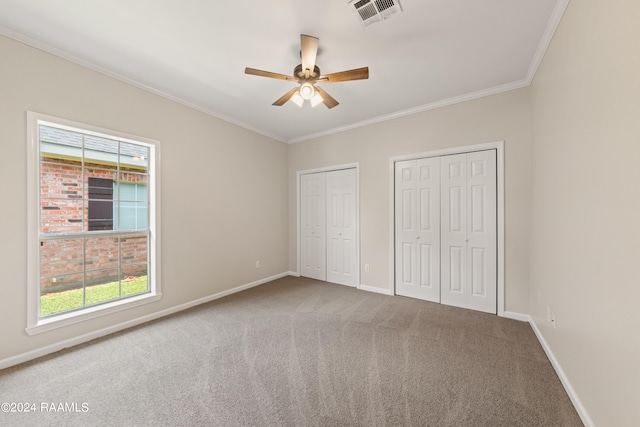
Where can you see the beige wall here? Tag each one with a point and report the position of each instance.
(586, 205)
(500, 117)
(224, 189)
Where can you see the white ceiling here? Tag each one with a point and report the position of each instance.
(436, 52)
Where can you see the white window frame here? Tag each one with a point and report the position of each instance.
(35, 324)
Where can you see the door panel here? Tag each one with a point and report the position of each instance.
(469, 245)
(417, 210)
(342, 262)
(456, 271)
(454, 230)
(478, 272)
(482, 241)
(407, 264)
(312, 226)
(426, 279)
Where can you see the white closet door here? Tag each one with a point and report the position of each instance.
(468, 231)
(341, 227)
(313, 226)
(417, 210)
(482, 231)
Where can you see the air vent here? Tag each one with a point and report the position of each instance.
(372, 11)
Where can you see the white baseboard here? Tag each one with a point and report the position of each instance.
(577, 403)
(375, 289)
(52, 348)
(517, 316)
(293, 273)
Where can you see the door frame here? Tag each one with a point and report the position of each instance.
(499, 147)
(355, 166)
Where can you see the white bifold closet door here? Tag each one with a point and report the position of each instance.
(468, 240)
(446, 232)
(313, 225)
(341, 227)
(417, 206)
(328, 232)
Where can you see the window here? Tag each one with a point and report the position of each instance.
(93, 222)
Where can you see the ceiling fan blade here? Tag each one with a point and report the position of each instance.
(262, 73)
(284, 98)
(308, 52)
(343, 76)
(327, 99)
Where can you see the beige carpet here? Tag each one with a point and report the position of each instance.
(298, 352)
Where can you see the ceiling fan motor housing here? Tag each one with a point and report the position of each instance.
(300, 74)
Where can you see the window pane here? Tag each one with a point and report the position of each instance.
(100, 203)
(101, 253)
(134, 157)
(57, 215)
(134, 284)
(91, 182)
(66, 294)
(100, 215)
(58, 258)
(133, 216)
(100, 151)
(60, 179)
(102, 286)
(59, 143)
(133, 250)
(132, 212)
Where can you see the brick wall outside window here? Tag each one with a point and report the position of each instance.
(62, 210)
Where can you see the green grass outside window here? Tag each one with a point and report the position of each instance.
(57, 302)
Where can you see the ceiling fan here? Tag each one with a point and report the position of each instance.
(307, 74)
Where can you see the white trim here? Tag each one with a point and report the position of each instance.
(36, 325)
(432, 106)
(499, 147)
(577, 403)
(299, 173)
(92, 312)
(52, 348)
(545, 41)
(517, 316)
(375, 289)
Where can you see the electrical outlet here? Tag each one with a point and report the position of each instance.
(366, 268)
(257, 264)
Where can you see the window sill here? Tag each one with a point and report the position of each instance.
(89, 313)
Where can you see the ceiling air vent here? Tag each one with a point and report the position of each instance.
(372, 11)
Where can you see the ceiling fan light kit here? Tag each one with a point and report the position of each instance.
(307, 74)
(307, 91)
